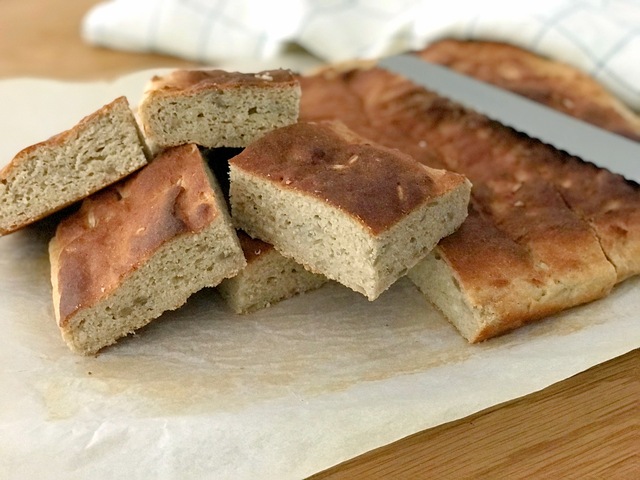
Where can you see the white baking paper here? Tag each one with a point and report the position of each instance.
(282, 393)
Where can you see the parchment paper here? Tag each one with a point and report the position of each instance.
(281, 393)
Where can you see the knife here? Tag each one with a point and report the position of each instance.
(600, 147)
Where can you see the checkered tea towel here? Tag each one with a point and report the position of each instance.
(601, 37)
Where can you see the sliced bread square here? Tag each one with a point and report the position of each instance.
(342, 206)
(216, 108)
(101, 149)
(267, 279)
(139, 248)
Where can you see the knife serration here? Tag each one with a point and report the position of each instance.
(600, 147)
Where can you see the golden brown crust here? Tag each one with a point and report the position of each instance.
(608, 203)
(187, 82)
(377, 186)
(552, 83)
(146, 210)
(501, 286)
(333, 94)
(560, 259)
(533, 244)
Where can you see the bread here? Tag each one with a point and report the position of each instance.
(554, 84)
(356, 212)
(140, 248)
(48, 176)
(215, 108)
(267, 279)
(545, 232)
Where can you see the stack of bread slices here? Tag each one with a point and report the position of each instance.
(314, 201)
(229, 180)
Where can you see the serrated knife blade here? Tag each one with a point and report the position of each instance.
(614, 152)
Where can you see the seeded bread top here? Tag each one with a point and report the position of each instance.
(194, 81)
(116, 229)
(377, 186)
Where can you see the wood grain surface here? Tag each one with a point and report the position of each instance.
(42, 38)
(583, 427)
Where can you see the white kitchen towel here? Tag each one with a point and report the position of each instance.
(601, 37)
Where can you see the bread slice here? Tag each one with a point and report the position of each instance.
(140, 248)
(101, 149)
(215, 108)
(545, 231)
(267, 279)
(486, 283)
(356, 212)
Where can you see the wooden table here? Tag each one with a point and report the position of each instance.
(583, 427)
